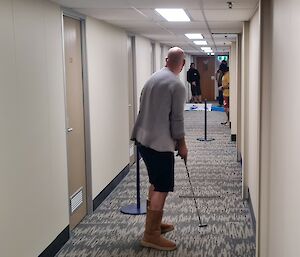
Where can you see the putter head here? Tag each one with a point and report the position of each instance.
(203, 225)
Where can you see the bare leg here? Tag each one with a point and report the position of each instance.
(199, 99)
(150, 191)
(227, 113)
(158, 200)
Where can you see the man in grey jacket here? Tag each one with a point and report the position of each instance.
(158, 132)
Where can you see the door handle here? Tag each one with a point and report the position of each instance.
(69, 129)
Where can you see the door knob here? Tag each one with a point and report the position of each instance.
(69, 129)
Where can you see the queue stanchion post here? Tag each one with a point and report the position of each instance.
(205, 138)
(138, 208)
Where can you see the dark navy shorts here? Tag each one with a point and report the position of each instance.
(195, 90)
(160, 167)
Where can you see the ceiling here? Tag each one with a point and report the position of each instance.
(213, 18)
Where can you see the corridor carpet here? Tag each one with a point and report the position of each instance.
(215, 175)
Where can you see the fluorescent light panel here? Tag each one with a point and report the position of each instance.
(200, 42)
(194, 36)
(173, 14)
(206, 48)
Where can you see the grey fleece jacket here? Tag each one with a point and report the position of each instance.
(160, 120)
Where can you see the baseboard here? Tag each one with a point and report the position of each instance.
(240, 159)
(233, 137)
(57, 244)
(252, 212)
(110, 187)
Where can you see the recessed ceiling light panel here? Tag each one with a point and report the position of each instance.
(194, 36)
(200, 42)
(173, 14)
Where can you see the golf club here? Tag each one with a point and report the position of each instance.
(201, 225)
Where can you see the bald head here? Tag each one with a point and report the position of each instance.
(175, 60)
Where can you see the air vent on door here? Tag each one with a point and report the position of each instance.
(76, 200)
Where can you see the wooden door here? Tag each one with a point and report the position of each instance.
(75, 121)
(206, 68)
(131, 95)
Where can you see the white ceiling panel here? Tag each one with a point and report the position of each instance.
(127, 3)
(93, 3)
(186, 26)
(151, 14)
(165, 3)
(216, 26)
(133, 24)
(195, 14)
(226, 36)
(112, 14)
(222, 4)
(139, 17)
(229, 15)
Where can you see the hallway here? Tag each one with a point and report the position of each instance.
(215, 175)
(72, 72)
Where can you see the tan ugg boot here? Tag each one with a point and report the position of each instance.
(164, 227)
(152, 236)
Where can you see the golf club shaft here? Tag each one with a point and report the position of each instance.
(188, 174)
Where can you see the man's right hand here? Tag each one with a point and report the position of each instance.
(183, 152)
(182, 149)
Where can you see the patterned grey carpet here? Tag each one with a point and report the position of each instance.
(215, 175)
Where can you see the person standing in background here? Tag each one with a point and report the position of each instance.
(225, 88)
(193, 77)
(219, 75)
(158, 132)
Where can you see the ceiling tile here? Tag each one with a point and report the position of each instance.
(229, 26)
(222, 4)
(128, 3)
(112, 14)
(229, 15)
(195, 14)
(186, 26)
(139, 17)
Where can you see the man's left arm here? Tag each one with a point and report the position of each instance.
(176, 116)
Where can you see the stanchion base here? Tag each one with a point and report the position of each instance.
(133, 210)
(207, 139)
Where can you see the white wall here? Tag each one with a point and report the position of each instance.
(233, 86)
(183, 76)
(252, 164)
(280, 205)
(33, 162)
(107, 78)
(157, 56)
(244, 106)
(188, 60)
(250, 104)
(143, 64)
(164, 51)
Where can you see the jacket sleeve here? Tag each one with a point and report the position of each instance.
(176, 115)
(188, 76)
